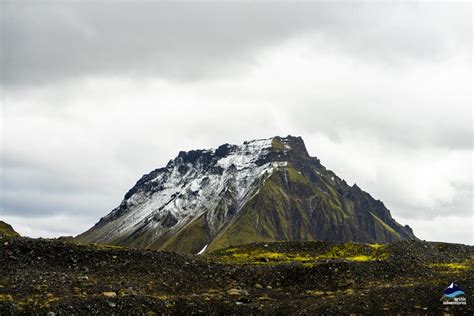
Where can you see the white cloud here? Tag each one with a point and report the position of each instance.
(48, 227)
(417, 183)
(445, 228)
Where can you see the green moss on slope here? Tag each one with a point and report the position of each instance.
(295, 176)
(263, 256)
(277, 144)
(7, 230)
(382, 229)
(190, 239)
(357, 252)
(272, 215)
(290, 207)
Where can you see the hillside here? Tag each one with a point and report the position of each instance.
(293, 278)
(262, 191)
(6, 230)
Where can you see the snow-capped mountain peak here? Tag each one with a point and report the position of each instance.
(266, 189)
(190, 185)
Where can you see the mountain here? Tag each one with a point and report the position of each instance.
(6, 230)
(264, 190)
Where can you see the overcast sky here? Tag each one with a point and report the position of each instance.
(94, 94)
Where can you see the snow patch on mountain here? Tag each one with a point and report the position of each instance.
(245, 156)
(185, 189)
(202, 250)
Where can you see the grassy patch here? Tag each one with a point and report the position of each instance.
(190, 239)
(262, 257)
(104, 247)
(330, 293)
(5, 297)
(278, 144)
(264, 298)
(37, 301)
(160, 296)
(384, 225)
(308, 265)
(7, 231)
(345, 251)
(360, 258)
(376, 246)
(450, 266)
(356, 252)
(231, 250)
(296, 177)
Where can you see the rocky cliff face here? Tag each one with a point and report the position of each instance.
(263, 190)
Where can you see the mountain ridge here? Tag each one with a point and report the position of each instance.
(263, 190)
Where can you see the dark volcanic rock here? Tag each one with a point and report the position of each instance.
(49, 276)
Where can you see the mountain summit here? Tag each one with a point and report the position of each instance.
(264, 190)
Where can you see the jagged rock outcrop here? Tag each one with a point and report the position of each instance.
(263, 190)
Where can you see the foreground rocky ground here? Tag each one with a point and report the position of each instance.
(51, 277)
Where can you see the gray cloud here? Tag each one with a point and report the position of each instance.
(52, 41)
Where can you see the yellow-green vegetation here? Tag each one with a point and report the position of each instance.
(317, 292)
(105, 247)
(5, 297)
(264, 298)
(296, 177)
(37, 301)
(382, 226)
(211, 294)
(360, 258)
(272, 207)
(233, 255)
(190, 239)
(278, 144)
(7, 231)
(330, 293)
(160, 296)
(376, 246)
(451, 266)
(357, 252)
(345, 251)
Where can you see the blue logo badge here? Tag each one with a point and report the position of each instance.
(453, 295)
(453, 291)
